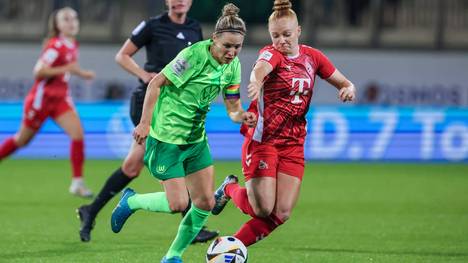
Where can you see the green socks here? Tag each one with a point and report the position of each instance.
(155, 202)
(189, 227)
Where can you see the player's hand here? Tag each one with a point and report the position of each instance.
(88, 74)
(148, 76)
(140, 133)
(249, 119)
(254, 89)
(347, 93)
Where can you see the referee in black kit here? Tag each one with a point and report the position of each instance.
(163, 37)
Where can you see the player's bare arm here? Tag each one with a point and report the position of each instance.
(152, 94)
(42, 70)
(237, 113)
(258, 74)
(346, 89)
(125, 59)
(83, 73)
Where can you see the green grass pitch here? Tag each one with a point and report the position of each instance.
(347, 212)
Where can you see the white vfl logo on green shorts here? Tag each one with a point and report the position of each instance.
(161, 169)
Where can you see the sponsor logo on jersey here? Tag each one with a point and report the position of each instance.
(138, 29)
(262, 165)
(180, 36)
(266, 55)
(303, 89)
(180, 66)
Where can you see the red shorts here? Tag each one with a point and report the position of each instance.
(263, 160)
(37, 109)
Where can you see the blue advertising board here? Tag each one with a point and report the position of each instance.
(348, 133)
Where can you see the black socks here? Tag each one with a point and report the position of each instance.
(114, 184)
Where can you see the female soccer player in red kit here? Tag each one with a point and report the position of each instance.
(49, 96)
(281, 86)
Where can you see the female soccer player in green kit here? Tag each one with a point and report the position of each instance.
(177, 152)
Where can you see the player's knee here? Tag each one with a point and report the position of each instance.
(77, 135)
(131, 168)
(21, 142)
(263, 211)
(178, 205)
(206, 202)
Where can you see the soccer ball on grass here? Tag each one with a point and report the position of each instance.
(226, 249)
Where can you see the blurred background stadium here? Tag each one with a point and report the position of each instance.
(409, 62)
(408, 59)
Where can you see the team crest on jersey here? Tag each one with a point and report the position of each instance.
(180, 66)
(266, 55)
(309, 68)
(208, 94)
(31, 114)
(262, 165)
(161, 169)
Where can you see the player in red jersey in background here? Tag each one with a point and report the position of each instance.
(49, 96)
(281, 86)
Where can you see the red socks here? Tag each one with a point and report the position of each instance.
(7, 148)
(257, 229)
(77, 157)
(76, 154)
(239, 197)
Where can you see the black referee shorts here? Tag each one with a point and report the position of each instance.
(136, 103)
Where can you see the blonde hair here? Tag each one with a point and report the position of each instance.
(282, 8)
(230, 21)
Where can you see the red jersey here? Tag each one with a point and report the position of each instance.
(287, 91)
(57, 52)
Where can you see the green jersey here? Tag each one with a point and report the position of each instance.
(196, 80)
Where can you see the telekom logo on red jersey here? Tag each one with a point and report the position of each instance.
(302, 89)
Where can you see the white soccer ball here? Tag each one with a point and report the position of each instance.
(226, 250)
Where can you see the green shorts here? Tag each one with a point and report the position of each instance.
(166, 160)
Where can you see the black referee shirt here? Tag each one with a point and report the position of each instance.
(164, 39)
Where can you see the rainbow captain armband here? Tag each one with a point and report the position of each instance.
(232, 92)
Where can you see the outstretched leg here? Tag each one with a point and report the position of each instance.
(257, 198)
(287, 192)
(118, 180)
(200, 187)
(174, 199)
